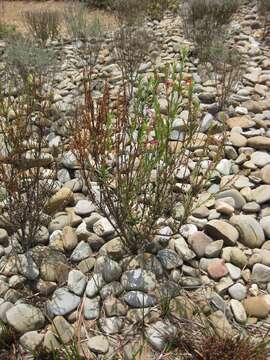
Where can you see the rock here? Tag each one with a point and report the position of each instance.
(243, 122)
(251, 208)
(114, 248)
(110, 269)
(238, 291)
(63, 302)
(76, 282)
(238, 258)
(260, 274)
(265, 223)
(138, 299)
(237, 140)
(69, 160)
(261, 194)
(220, 324)
(188, 229)
(110, 326)
(91, 308)
(113, 289)
(259, 142)
(103, 227)
(217, 269)
(50, 342)
(199, 242)
(4, 307)
(25, 317)
(94, 285)
(84, 208)
(238, 311)
(181, 247)
(260, 158)
(234, 271)
(62, 329)
(251, 233)
(169, 259)
(31, 341)
(266, 174)
(214, 249)
(60, 200)
(26, 266)
(81, 252)
(235, 194)
(86, 265)
(69, 237)
(3, 237)
(98, 344)
(224, 208)
(54, 268)
(160, 334)
(219, 229)
(258, 306)
(138, 279)
(114, 307)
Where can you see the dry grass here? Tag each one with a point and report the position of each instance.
(12, 12)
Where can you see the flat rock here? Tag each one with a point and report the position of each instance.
(259, 142)
(238, 311)
(243, 122)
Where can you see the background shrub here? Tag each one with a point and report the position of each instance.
(264, 13)
(43, 25)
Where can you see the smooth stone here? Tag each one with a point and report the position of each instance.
(251, 233)
(160, 333)
(238, 258)
(238, 311)
(110, 269)
(259, 142)
(103, 227)
(84, 208)
(63, 329)
(238, 291)
(199, 242)
(235, 194)
(217, 269)
(243, 122)
(69, 238)
(265, 223)
(213, 249)
(60, 200)
(81, 252)
(94, 285)
(257, 306)
(265, 173)
(112, 325)
(222, 230)
(261, 194)
(234, 271)
(260, 158)
(260, 274)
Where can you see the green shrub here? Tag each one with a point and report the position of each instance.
(205, 21)
(6, 30)
(157, 8)
(44, 25)
(128, 155)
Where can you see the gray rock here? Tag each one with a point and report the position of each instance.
(81, 252)
(4, 307)
(76, 282)
(260, 158)
(63, 302)
(113, 289)
(138, 279)
(160, 334)
(238, 291)
(3, 237)
(26, 266)
(260, 274)
(238, 198)
(265, 223)
(213, 249)
(169, 259)
(103, 227)
(94, 285)
(91, 308)
(251, 233)
(63, 329)
(110, 269)
(138, 299)
(84, 208)
(112, 325)
(238, 311)
(25, 317)
(261, 194)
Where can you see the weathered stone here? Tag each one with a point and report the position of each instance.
(160, 333)
(76, 282)
(62, 329)
(238, 311)
(251, 233)
(259, 142)
(60, 200)
(260, 274)
(219, 229)
(238, 291)
(221, 325)
(217, 269)
(25, 317)
(63, 302)
(31, 340)
(138, 279)
(169, 259)
(198, 242)
(94, 285)
(261, 194)
(139, 299)
(98, 344)
(91, 308)
(258, 306)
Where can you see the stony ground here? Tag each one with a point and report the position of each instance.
(82, 278)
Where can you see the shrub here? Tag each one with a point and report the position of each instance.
(157, 8)
(22, 161)
(205, 21)
(264, 13)
(226, 69)
(129, 157)
(24, 60)
(44, 25)
(131, 46)
(89, 33)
